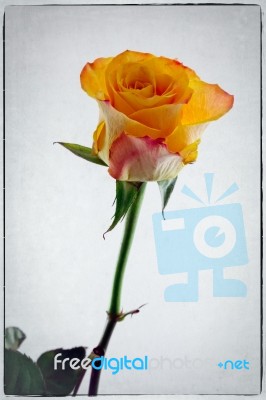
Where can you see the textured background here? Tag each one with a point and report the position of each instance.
(58, 268)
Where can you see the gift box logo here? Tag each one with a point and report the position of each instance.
(208, 237)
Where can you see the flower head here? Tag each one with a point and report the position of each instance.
(153, 111)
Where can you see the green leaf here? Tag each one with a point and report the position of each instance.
(22, 376)
(83, 152)
(59, 381)
(166, 188)
(126, 193)
(13, 338)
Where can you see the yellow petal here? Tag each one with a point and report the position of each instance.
(190, 152)
(145, 81)
(92, 78)
(129, 56)
(118, 69)
(137, 102)
(120, 104)
(98, 137)
(208, 102)
(135, 76)
(171, 77)
(164, 118)
(183, 136)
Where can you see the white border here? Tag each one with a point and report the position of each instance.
(262, 3)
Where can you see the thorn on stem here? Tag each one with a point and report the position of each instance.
(122, 316)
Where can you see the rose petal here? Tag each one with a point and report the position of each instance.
(142, 159)
(190, 153)
(119, 62)
(138, 102)
(128, 56)
(183, 136)
(131, 73)
(167, 81)
(116, 123)
(92, 78)
(167, 71)
(122, 105)
(208, 102)
(164, 118)
(98, 137)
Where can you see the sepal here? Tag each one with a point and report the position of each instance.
(166, 188)
(83, 152)
(126, 194)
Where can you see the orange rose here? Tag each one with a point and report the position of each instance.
(153, 111)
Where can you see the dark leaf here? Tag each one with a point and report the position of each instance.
(13, 338)
(22, 375)
(166, 188)
(126, 193)
(63, 379)
(83, 152)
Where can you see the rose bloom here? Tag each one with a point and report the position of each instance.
(153, 111)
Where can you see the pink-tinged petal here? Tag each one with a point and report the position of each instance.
(207, 103)
(142, 159)
(92, 78)
(115, 124)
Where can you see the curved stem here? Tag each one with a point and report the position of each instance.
(114, 309)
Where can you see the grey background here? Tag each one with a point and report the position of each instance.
(58, 269)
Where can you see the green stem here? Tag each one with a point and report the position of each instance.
(114, 310)
(131, 222)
